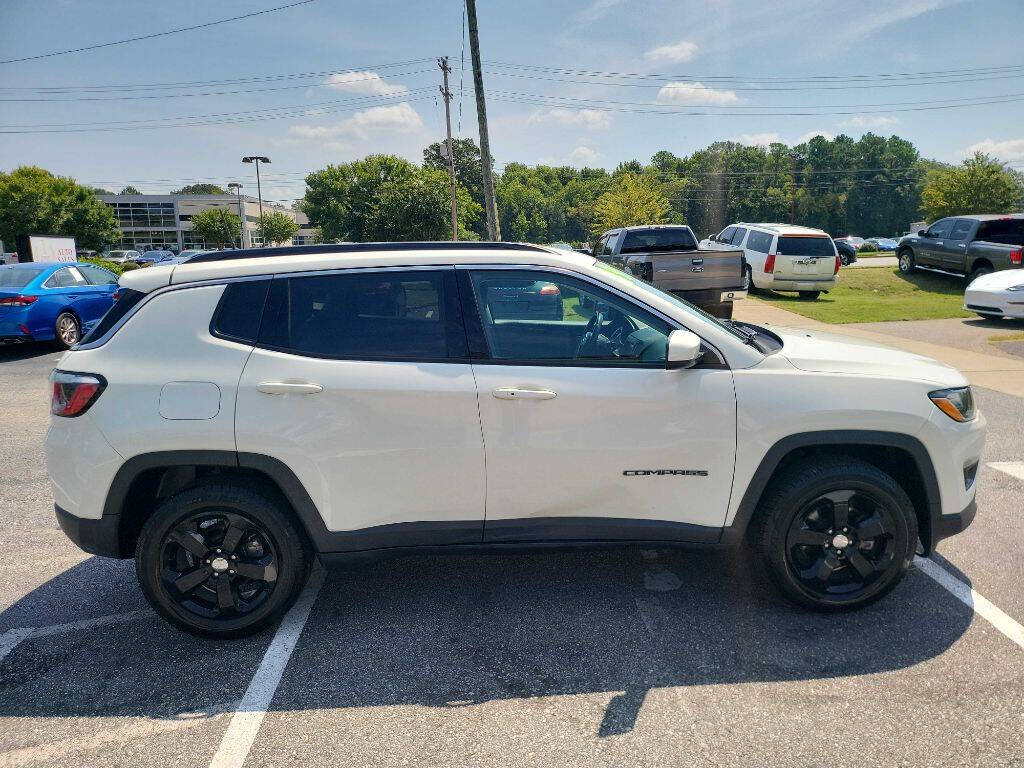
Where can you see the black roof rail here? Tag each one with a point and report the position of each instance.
(339, 248)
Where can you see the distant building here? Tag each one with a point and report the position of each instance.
(165, 221)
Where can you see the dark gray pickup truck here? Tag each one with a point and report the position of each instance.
(966, 245)
(667, 256)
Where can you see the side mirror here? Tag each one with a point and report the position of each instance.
(683, 349)
(922, 233)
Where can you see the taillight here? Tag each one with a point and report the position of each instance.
(769, 263)
(836, 270)
(550, 289)
(18, 301)
(73, 393)
(1016, 256)
(115, 295)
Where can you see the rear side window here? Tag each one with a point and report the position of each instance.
(361, 316)
(1005, 231)
(961, 229)
(805, 246)
(127, 299)
(759, 241)
(238, 313)
(667, 239)
(68, 277)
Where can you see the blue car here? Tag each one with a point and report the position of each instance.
(883, 243)
(53, 302)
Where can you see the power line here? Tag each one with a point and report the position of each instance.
(155, 34)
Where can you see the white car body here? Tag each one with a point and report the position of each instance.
(378, 453)
(997, 294)
(764, 245)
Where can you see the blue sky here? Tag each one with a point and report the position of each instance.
(718, 56)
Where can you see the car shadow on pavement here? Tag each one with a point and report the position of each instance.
(460, 630)
(25, 351)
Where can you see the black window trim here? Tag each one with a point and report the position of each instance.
(480, 352)
(454, 328)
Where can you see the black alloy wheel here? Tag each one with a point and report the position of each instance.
(221, 560)
(219, 565)
(841, 543)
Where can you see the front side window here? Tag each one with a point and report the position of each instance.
(759, 241)
(737, 239)
(940, 228)
(725, 236)
(97, 276)
(363, 316)
(534, 316)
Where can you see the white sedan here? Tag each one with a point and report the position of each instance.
(997, 294)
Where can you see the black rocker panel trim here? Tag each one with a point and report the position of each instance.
(569, 529)
(733, 535)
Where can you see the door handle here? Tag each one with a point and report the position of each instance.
(938, 242)
(962, 245)
(288, 388)
(515, 393)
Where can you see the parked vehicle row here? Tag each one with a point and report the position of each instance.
(783, 257)
(347, 401)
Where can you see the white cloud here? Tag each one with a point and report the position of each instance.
(583, 156)
(398, 118)
(757, 139)
(369, 83)
(695, 94)
(598, 9)
(811, 134)
(870, 121)
(682, 51)
(592, 119)
(1007, 151)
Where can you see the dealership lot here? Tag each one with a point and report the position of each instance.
(610, 658)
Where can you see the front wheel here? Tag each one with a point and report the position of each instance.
(906, 261)
(67, 330)
(221, 560)
(836, 534)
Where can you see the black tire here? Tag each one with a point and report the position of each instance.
(748, 278)
(266, 543)
(989, 316)
(721, 310)
(906, 261)
(796, 508)
(978, 272)
(810, 295)
(67, 330)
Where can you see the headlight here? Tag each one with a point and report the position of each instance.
(1016, 287)
(957, 403)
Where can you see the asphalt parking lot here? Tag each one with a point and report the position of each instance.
(630, 657)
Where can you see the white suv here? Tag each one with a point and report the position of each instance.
(783, 257)
(236, 416)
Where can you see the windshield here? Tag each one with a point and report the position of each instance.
(17, 277)
(690, 309)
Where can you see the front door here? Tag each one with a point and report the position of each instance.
(588, 435)
(953, 253)
(361, 385)
(929, 250)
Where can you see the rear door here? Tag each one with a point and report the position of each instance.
(360, 383)
(805, 257)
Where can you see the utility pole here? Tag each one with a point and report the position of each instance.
(493, 225)
(792, 194)
(241, 213)
(445, 69)
(259, 191)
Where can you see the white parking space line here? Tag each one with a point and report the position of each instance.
(1012, 468)
(10, 639)
(245, 723)
(969, 597)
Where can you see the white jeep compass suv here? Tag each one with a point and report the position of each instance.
(236, 416)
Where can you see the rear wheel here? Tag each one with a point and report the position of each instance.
(67, 330)
(906, 261)
(810, 295)
(837, 535)
(221, 561)
(748, 280)
(977, 272)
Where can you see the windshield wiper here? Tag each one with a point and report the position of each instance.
(749, 337)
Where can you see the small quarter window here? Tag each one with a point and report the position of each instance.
(239, 311)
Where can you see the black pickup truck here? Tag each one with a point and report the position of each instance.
(966, 245)
(666, 255)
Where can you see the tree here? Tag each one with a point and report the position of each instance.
(101, 191)
(981, 184)
(634, 199)
(129, 190)
(277, 227)
(199, 189)
(217, 226)
(384, 198)
(34, 201)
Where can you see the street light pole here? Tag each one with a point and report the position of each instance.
(257, 159)
(241, 213)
